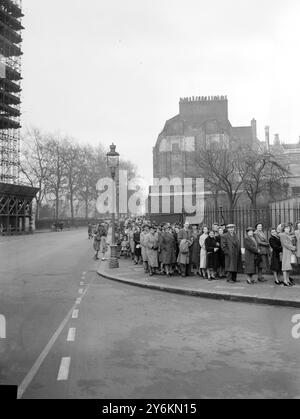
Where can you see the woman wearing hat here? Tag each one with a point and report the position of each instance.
(288, 251)
(275, 244)
(264, 248)
(252, 254)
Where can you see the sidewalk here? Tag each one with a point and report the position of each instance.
(264, 293)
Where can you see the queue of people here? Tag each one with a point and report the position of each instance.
(211, 253)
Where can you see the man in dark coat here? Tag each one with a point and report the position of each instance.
(233, 256)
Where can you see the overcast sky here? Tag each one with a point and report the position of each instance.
(114, 70)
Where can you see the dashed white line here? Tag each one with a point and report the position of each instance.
(71, 334)
(80, 291)
(36, 366)
(75, 314)
(81, 284)
(64, 368)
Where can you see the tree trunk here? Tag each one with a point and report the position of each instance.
(86, 208)
(56, 206)
(37, 213)
(72, 205)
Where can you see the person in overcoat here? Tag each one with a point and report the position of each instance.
(288, 250)
(212, 250)
(195, 249)
(131, 241)
(168, 250)
(184, 258)
(203, 262)
(276, 265)
(144, 234)
(221, 255)
(252, 254)
(151, 243)
(137, 245)
(297, 234)
(233, 256)
(264, 249)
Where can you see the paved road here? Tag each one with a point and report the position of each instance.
(126, 342)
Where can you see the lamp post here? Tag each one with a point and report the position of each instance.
(113, 160)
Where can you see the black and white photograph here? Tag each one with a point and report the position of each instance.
(149, 202)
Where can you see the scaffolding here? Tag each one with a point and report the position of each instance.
(10, 89)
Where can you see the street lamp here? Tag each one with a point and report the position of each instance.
(113, 160)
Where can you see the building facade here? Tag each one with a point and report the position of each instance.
(201, 122)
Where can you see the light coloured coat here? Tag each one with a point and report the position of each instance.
(288, 250)
(151, 240)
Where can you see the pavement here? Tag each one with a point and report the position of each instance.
(261, 293)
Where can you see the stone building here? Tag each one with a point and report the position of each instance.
(289, 154)
(201, 121)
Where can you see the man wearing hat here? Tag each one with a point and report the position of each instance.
(233, 255)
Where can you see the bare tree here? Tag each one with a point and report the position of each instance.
(223, 170)
(56, 180)
(71, 160)
(34, 159)
(263, 175)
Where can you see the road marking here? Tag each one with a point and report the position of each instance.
(36, 366)
(83, 273)
(81, 284)
(64, 368)
(80, 291)
(75, 314)
(2, 327)
(71, 334)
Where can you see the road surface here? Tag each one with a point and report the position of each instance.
(72, 334)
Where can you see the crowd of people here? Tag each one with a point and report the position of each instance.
(210, 252)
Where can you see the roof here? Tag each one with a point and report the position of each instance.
(243, 133)
(18, 190)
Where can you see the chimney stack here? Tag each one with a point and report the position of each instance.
(276, 139)
(267, 132)
(254, 129)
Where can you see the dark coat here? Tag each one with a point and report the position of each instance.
(137, 244)
(233, 255)
(212, 257)
(168, 249)
(275, 244)
(251, 255)
(220, 253)
(195, 251)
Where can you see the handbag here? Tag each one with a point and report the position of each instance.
(293, 259)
